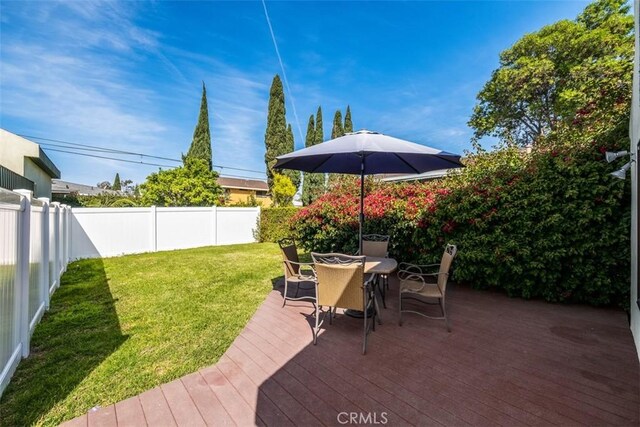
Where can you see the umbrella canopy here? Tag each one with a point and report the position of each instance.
(367, 153)
(379, 153)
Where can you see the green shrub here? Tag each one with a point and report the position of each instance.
(274, 223)
(551, 224)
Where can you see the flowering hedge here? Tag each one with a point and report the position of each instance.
(551, 224)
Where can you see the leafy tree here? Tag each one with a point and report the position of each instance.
(551, 76)
(278, 138)
(337, 130)
(348, 125)
(313, 184)
(201, 144)
(283, 190)
(116, 183)
(105, 185)
(193, 184)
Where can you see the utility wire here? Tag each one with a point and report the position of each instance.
(95, 148)
(141, 162)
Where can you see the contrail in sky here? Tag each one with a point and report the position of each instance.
(284, 74)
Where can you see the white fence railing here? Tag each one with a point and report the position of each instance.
(32, 259)
(104, 232)
(39, 238)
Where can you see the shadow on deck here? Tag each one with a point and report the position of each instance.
(506, 362)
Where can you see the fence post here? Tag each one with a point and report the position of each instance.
(45, 250)
(154, 229)
(22, 276)
(65, 236)
(214, 225)
(56, 243)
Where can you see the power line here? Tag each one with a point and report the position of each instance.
(95, 148)
(143, 163)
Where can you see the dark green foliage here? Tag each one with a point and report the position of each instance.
(274, 223)
(278, 138)
(313, 184)
(337, 130)
(319, 130)
(116, 183)
(103, 200)
(193, 184)
(348, 124)
(201, 144)
(293, 175)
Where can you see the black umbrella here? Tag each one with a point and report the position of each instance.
(368, 153)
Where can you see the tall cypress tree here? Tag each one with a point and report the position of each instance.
(294, 176)
(337, 129)
(348, 125)
(116, 183)
(307, 183)
(275, 137)
(319, 130)
(201, 144)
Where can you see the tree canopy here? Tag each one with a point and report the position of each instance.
(201, 144)
(193, 184)
(337, 130)
(116, 183)
(348, 124)
(313, 183)
(553, 75)
(283, 190)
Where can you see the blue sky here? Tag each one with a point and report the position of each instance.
(127, 75)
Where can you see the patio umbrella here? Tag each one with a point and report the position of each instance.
(367, 153)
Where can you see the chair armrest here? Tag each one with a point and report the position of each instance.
(304, 267)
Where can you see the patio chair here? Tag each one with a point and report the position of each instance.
(341, 284)
(377, 245)
(295, 272)
(420, 283)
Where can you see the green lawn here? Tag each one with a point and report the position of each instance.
(120, 326)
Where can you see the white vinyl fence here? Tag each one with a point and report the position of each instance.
(104, 232)
(33, 256)
(39, 238)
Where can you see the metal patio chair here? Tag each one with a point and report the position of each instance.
(377, 245)
(295, 272)
(421, 283)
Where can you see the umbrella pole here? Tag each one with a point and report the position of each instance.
(361, 204)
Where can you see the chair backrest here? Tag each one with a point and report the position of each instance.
(340, 280)
(376, 245)
(289, 253)
(445, 265)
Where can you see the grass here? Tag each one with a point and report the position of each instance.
(120, 326)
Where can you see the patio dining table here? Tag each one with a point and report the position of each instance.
(377, 266)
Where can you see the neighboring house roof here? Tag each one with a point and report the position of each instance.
(244, 184)
(418, 177)
(65, 187)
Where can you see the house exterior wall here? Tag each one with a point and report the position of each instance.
(238, 195)
(14, 155)
(41, 180)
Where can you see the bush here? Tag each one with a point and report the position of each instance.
(274, 223)
(552, 224)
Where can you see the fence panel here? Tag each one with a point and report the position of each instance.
(54, 236)
(237, 225)
(181, 228)
(103, 232)
(11, 206)
(37, 264)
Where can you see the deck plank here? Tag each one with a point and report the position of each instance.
(507, 362)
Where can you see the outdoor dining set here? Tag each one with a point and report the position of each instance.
(358, 283)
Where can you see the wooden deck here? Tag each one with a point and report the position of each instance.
(506, 362)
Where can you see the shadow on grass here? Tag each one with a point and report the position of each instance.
(75, 336)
